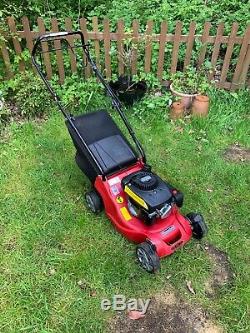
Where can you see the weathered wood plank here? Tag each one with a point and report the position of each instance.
(6, 59)
(190, 44)
(177, 40)
(161, 55)
(229, 52)
(106, 32)
(216, 48)
(96, 41)
(73, 64)
(135, 26)
(16, 43)
(120, 33)
(204, 41)
(148, 46)
(59, 55)
(241, 58)
(46, 56)
(83, 26)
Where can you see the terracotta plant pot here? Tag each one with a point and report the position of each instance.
(177, 110)
(200, 106)
(186, 99)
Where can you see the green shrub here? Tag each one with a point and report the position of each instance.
(28, 93)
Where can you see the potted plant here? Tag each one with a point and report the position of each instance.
(125, 87)
(188, 84)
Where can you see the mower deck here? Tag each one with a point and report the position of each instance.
(166, 234)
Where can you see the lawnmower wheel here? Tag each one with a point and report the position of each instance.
(94, 201)
(179, 198)
(198, 225)
(147, 257)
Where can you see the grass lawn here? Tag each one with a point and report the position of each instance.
(58, 260)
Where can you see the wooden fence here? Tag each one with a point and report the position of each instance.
(232, 71)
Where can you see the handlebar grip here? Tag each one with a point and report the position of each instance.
(53, 35)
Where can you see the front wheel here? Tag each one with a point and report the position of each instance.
(198, 225)
(147, 257)
(94, 201)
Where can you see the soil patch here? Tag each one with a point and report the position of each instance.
(167, 314)
(222, 271)
(237, 153)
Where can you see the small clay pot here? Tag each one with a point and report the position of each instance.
(186, 99)
(200, 106)
(177, 110)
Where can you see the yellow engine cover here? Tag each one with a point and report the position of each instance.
(135, 197)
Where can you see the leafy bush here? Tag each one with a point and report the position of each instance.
(80, 95)
(226, 11)
(28, 93)
(191, 81)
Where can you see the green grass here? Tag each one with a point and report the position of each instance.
(45, 226)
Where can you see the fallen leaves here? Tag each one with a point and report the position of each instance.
(135, 315)
(190, 288)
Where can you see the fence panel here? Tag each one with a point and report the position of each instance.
(239, 77)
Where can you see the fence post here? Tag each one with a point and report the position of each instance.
(120, 31)
(135, 26)
(216, 48)
(148, 46)
(204, 40)
(161, 56)
(229, 52)
(16, 43)
(107, 47)
(6, 57)
(59, 55)
(241, 58)
(68, 26)
(190, 44)
(245, 67)
(96, 41)
(83, 27)
(177, 39)
(46, 56)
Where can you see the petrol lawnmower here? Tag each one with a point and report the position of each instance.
(142, 207)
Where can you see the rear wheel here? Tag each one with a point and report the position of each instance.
(178, 198)
(147, 257)
(94, 201)
(198, 224)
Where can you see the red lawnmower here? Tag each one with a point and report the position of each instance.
(141, 206)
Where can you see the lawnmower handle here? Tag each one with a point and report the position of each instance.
(54, 36)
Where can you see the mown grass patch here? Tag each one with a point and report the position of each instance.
(49, 241)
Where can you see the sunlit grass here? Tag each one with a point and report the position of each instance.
(49, 241)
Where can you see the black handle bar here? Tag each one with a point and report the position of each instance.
(115, 101)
